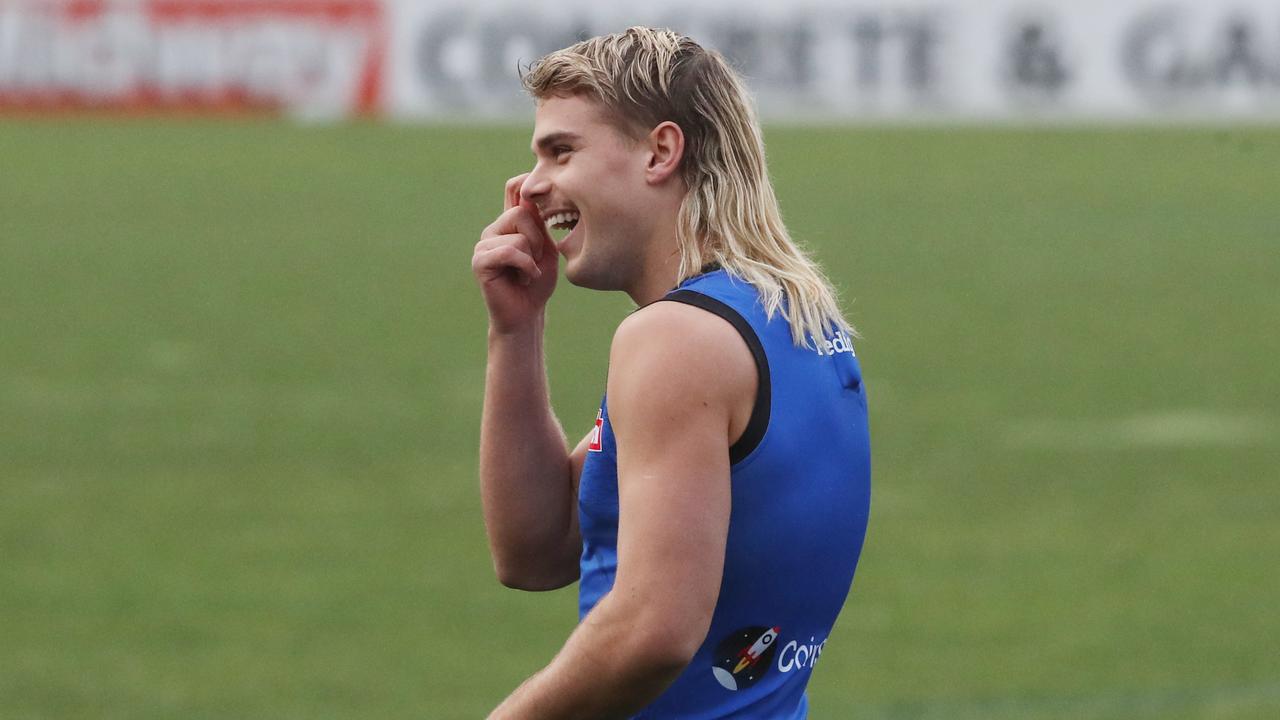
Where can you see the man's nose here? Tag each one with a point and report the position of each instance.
(535, 186)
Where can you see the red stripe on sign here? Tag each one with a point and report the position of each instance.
(333, 10)
(369, 90)
(222, 70)
(83, 9)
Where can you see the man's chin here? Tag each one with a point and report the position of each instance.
(577, 275)
(582, 275)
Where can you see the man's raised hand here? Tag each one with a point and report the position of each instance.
(515, 263)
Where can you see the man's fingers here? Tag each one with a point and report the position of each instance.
(524, 220)
(529, 223)
(505, 223)
(496, 261)
(544, 246)
(517, 240)
(493, 255)
(511, 194)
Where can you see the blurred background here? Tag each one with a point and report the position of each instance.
(242, 355)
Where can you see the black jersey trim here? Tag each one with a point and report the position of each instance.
(759, 422)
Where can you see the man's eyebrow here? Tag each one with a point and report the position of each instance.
(555, 138)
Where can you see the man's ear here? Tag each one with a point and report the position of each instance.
(666, 150)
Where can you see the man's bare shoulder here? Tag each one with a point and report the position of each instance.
(670, 349)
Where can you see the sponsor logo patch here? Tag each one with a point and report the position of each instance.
(596, 443)
(744, 657)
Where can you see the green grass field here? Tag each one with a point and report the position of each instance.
(241, 367)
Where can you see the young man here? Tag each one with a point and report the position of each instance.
(716, 511)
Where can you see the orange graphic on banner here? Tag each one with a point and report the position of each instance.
(312, 57)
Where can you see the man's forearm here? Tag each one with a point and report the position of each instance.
(525, 475)
(616, 662)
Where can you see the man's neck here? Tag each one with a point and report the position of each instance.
(662, 259)
(661, 269)
(658, 279)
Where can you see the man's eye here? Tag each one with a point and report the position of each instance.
(560, 150)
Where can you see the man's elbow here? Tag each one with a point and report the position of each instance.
(535, 564)
(667, 640)
(533, 579)
(663, 654)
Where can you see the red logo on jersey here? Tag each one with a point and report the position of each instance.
(597, 434)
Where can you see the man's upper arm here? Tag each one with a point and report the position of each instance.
(679, 380)
(578, 458)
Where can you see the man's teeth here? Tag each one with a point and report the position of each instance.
(563, 221)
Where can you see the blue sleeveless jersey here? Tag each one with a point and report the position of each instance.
(801, 483)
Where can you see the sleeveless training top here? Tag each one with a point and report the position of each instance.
(801, 483)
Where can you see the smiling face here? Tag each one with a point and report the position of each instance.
(590, 178)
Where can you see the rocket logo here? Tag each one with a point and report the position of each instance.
(596, 444)
(744, 657)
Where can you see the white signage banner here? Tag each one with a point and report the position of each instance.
(822, 60)
(891, 60)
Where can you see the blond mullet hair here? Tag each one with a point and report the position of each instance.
(729, 216)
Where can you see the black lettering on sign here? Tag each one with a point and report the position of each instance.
(1241, 58)
(909, 42)
(468, 59)
(1155, 52)
(1166, 59)
(1035, 57)
(797, 46)
(777, 56)
(441, 80)
(868, 36)
(922, 42)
